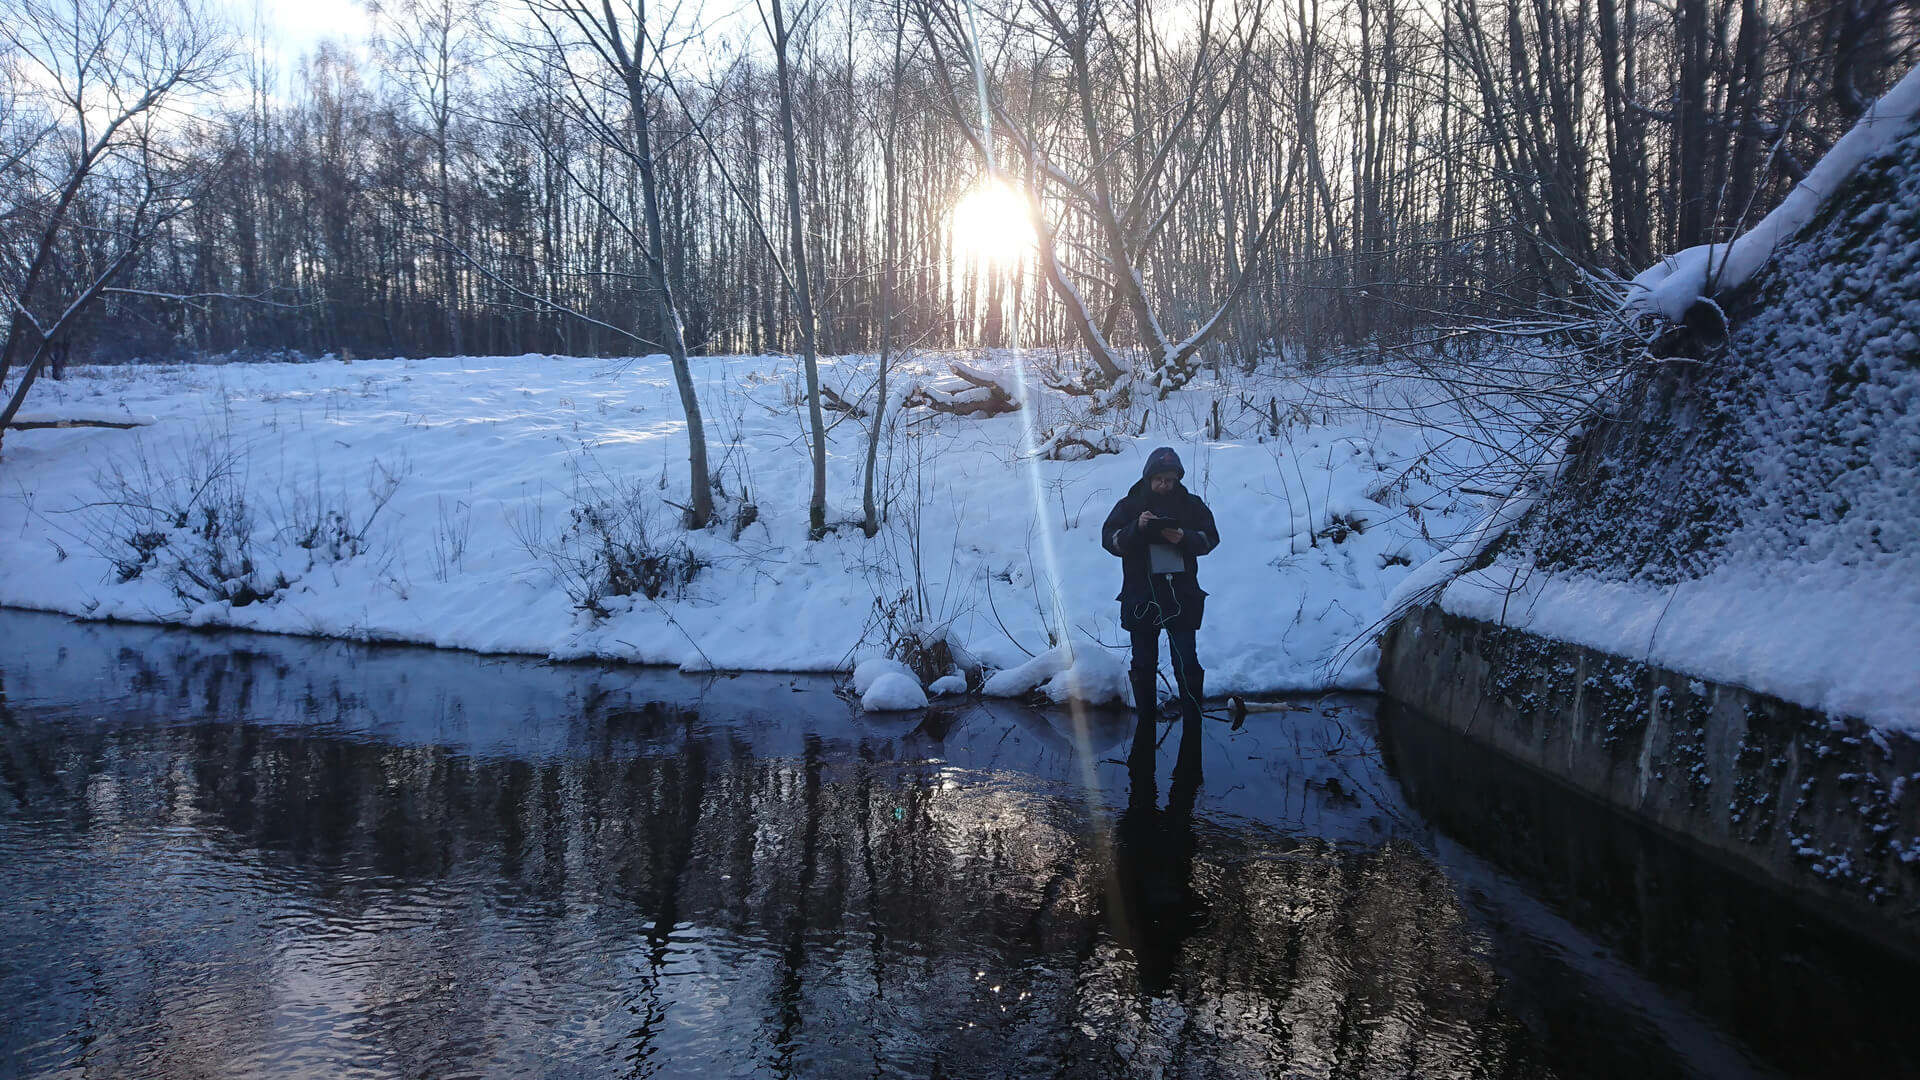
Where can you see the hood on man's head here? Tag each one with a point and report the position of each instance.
(1163, 460)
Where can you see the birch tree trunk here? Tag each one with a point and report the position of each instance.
(802, 286)
(609, 39)
(889, 212)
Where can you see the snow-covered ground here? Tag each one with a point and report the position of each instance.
(485, 467)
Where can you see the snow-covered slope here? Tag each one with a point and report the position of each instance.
(1754, 518)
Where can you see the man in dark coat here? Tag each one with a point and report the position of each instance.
(1158, 529)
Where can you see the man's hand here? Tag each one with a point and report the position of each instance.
(1169, 533)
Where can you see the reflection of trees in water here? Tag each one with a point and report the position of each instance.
(675, 897)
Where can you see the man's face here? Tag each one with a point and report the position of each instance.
(1163, 483)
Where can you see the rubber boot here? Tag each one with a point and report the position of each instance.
(1186, 768)
(1146, 707)
(1194, 694)
(1186, 765)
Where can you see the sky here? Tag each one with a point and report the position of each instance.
(295, 28)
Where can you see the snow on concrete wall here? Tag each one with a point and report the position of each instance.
(1752, 515)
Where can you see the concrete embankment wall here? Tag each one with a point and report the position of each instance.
(1817, 805)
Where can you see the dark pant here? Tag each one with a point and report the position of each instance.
(1189, 678)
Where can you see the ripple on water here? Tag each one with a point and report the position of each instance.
(304, 904)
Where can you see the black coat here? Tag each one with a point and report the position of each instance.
(1173, 601)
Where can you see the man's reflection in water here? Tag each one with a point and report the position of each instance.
(1151, 904)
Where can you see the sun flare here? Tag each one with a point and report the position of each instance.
(991, 225)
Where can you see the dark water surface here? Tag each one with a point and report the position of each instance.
(254, 856)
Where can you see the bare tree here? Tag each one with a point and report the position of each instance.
(433, 45)
(90, 80)
(619, 37)
(1127, 200)
(889, 252)
(1327, 174)
(781, 32)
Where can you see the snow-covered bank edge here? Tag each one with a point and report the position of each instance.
(425, 502)
(1844, 644)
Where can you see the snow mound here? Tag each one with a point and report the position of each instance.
(869, 671)
(1083, 671)
(948, 684)
(893, 692)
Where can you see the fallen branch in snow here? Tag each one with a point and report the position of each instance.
(29, 421)
(834, 402)
(1076, 441)
(1075, 448)
(1077, 388)
(1083, 383)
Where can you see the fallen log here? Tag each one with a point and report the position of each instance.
(974, 375)
(836, 403)
(974, 394)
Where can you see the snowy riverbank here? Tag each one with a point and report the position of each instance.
(482, 462)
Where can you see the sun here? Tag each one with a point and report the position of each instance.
(991, 225)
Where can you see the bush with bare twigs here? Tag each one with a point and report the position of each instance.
(192, 520)
(611, 545)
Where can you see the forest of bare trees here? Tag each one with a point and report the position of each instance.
(1215, 179)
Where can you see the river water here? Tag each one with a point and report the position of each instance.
(254, 856)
